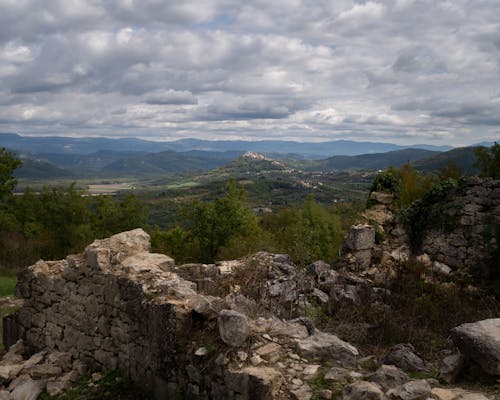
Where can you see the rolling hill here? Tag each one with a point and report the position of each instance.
(167, 162)
(41, 170)
(462, 157)
(372, 161)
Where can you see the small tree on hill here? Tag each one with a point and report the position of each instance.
(8, 164)
(488, 161)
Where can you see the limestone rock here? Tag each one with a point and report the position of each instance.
(413, 390)
(323, 274)
(403, 355)
(480, 341)
(233, 327)
(388, 376)
(144, 261)
(360, 237)
(441, 268)
(382, 198)
(456, 394)
(451, 367)
(327, 346)
(29, 389)
(302, 393)
(278, 327)
(362, 390)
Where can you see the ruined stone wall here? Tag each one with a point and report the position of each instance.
(475, 218)
(98, 314)
(117, 306)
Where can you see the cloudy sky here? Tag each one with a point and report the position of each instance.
(402, 71)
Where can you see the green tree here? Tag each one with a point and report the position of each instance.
(308, 233)
(488, 161)
(8, 164)
(110, 215)
(220, 224)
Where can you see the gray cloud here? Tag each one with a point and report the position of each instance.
(394, 70)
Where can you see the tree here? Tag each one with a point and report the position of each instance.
(488, 161)
(8, 164)
(220, 224)
(307, 233)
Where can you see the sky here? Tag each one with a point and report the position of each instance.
(400, 71)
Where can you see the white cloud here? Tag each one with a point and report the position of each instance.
(399, 70)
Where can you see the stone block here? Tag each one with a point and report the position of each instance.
(360, 237)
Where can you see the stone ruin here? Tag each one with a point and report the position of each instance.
(119, 306)
(474, 217)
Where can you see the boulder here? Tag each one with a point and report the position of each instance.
(233, 327)
(480, 341)
(362, 390)
(403, 355)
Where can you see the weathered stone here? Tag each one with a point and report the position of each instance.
(480, 341)
(303, 393)
(61, 384)
(403, 355)
(360, 237)
(337, 374)
(36, 358)
(441, 268)
(9, 372)
(323, 274)
(277, 327)
(456, 394)
(269, 351)
(388, 376)
(362, 390)
(44, 371)
(320, 296)
(326, 346)
(233, 327)
(29, 389)
(343, 294)
(413, 390)
(382, 198)
(263, 382)
(451, 367)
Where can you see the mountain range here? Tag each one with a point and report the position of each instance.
(69, 157)
(89, 145)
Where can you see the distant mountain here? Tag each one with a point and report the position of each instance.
(41, 170)
(69, 145)
(168, 162)
(372, 161)
(85, 162)
(462, 157)
(337, 147)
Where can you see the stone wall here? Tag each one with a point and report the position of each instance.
(118, 306)
(475, 217)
